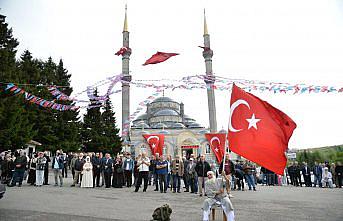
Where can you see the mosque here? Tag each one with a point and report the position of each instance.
(183, 135)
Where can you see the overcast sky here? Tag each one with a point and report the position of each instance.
(282, 41)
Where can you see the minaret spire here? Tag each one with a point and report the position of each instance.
(205, 24)
(210, 78)
(126, 81)
(125, 20)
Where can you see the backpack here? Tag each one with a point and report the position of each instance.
(162, 213)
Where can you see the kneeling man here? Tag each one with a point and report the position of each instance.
(214, 189)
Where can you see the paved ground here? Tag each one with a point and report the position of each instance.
(67, 203)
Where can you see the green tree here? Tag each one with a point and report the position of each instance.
(92, 138)
(67, 122)
(16, 127)
(110, 131)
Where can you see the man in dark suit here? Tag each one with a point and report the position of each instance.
(306, 174)
(317, 172)
(107, 167)
(96, 161)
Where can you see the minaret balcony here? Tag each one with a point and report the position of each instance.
(207, 53)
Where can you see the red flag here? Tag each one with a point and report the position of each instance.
(258, 131)
(159, 57)
(217, 144)
(121, 51)
(156, 142)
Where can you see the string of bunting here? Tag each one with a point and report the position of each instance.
(39, 101)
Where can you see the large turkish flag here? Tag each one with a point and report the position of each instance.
(258, 131)
(156, 142)
(217, 144)
(159, 57)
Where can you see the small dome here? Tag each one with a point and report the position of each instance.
(203, 132)
(143, 132)
(164, 132)
(188, 118)
(166, 112)
(141, 125)
(142, 117)
(222, 131)
(159, 126)
(194, 125)
(178, 125)
(163, 99)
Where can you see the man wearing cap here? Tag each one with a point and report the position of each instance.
(214, 189)
(192, 175)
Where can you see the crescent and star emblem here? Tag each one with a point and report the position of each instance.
(252, 121)
(213, 139)
(153, 145)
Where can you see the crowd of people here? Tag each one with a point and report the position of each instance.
(96, 170)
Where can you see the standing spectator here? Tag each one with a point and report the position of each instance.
(152, 171)
(32, 170)
(169, 176)
(239, 175)
(102, 174)
(6, 169)
(192, 175)
(162, 171)
(186, 174)
(297, 174)
(87, 173)
(107, 167)
(79, 162)
(177, 172)
(118, 173)
(135, 169)
(72, 165)
(202, 167)
(143, 164)
(317, 172)
(339, 174)
(291, 172)
(333, 172)
(327, 178)
(307, 175)
(248, 169)
(46, 169)
(20, 166)
(96, 161)
(227, 172)
(65, 165)
(40, 166)
(57, 166)
(128, 168)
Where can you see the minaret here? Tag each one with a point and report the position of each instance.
(210, 79)
(127, 78)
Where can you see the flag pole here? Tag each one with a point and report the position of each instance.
(227, 135)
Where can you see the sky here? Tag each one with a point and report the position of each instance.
(287, 41)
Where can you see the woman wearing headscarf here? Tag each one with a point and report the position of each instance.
(32, 170)
(87, 174)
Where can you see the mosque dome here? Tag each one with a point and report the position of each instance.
(163, 99)
(194, 125)
(178, 125)
(159, 126)
(166, 112)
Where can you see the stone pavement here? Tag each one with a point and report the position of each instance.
(73, 203)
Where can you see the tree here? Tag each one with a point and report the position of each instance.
(16, 128)
(110, 131)
(67, 122)
(92, 127)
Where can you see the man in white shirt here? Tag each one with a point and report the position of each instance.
(143, 164)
